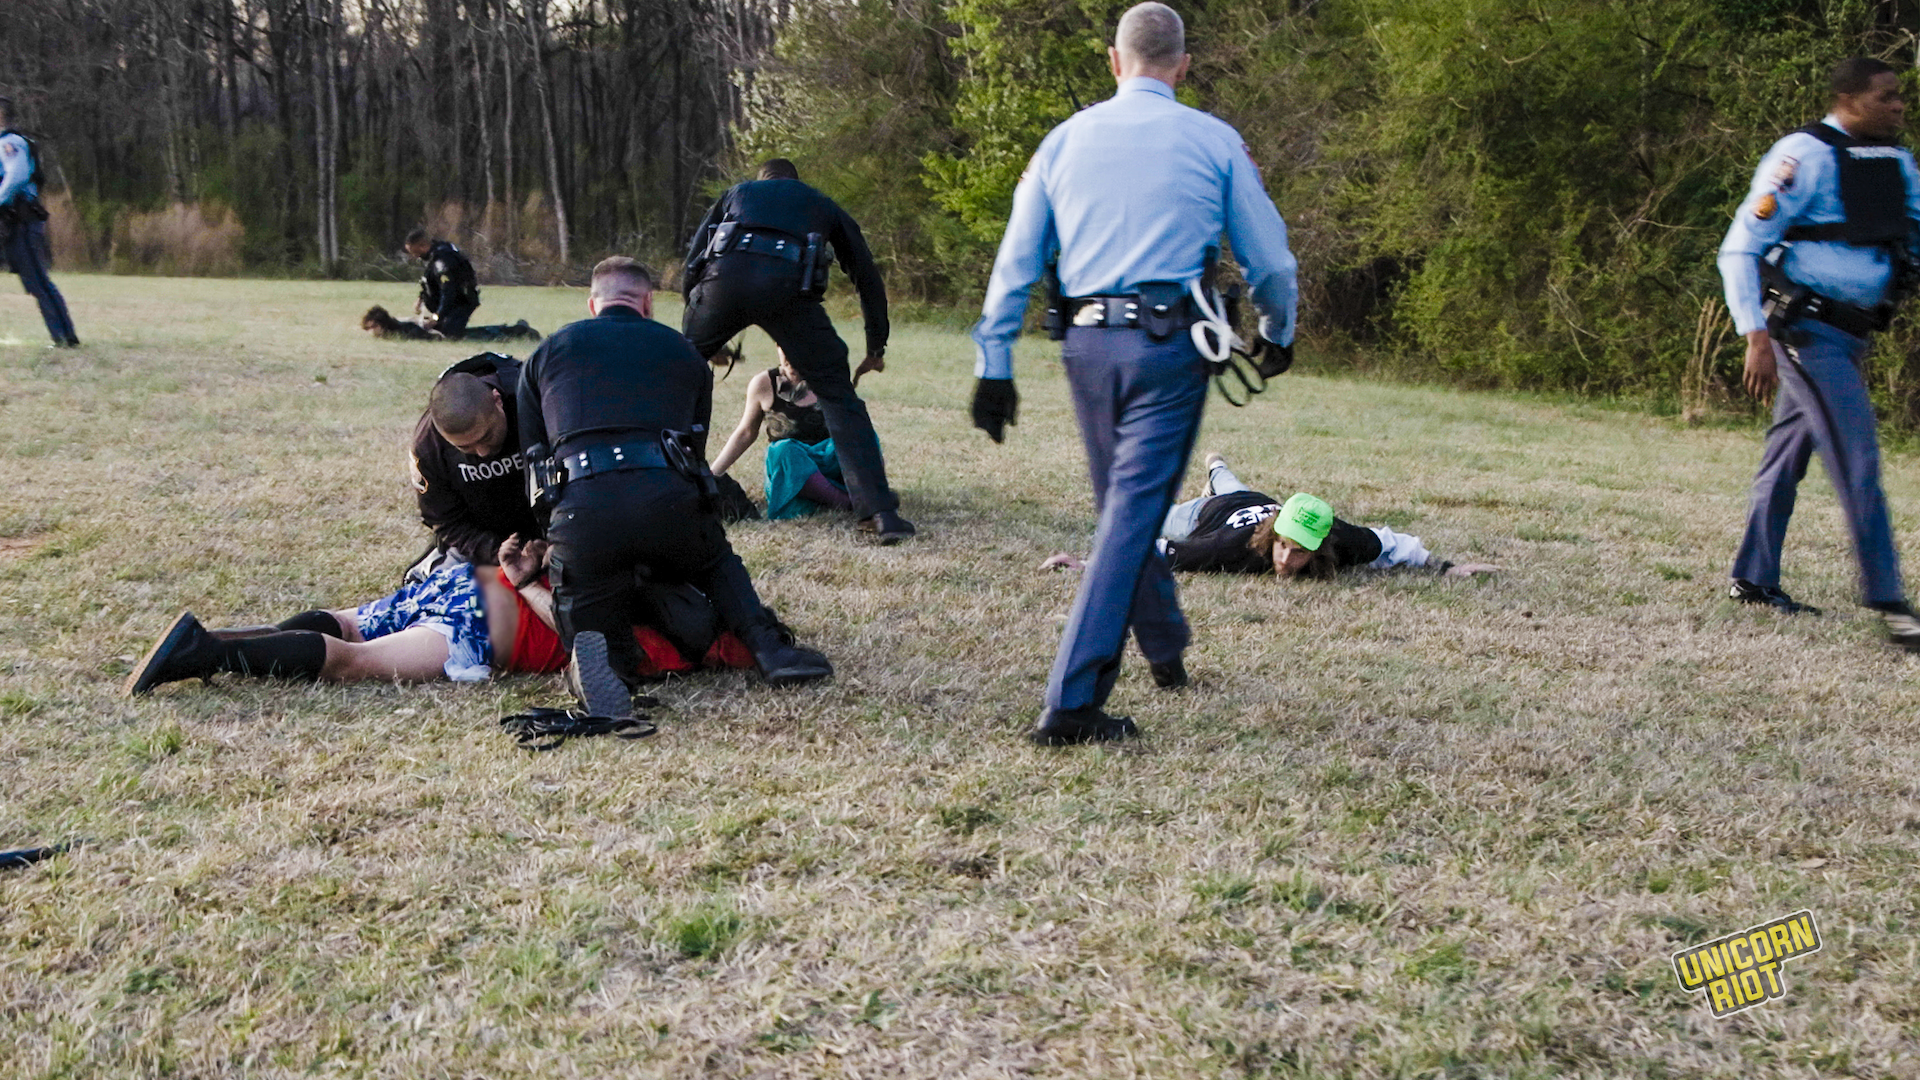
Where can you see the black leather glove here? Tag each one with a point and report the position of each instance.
(994, 406)
(1273, 359)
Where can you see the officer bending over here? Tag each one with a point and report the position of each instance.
(1820, 253)
(449, 289)
(468, 473)
(760, 259)
(23, 227)
(1131, 193)
(623, 404)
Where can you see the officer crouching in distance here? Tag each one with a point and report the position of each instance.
(1819, 255)
(613, 412)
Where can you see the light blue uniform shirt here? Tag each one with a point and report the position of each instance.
(17, 160)
(1798, 183)
(1135, 189)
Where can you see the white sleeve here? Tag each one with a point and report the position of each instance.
(1398, 549)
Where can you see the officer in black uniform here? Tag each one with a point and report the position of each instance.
(614, 409)
(449, 289)
(760, 259)
(467, 469)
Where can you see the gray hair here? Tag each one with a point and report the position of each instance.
(1152, 34)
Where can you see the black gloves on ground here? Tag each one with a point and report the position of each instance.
(994, 406)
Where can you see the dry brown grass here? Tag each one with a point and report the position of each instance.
(1400, 827)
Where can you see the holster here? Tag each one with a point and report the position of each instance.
(683, 458)
(813, 272)
(546, 479)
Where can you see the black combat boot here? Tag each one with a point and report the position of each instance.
(190, 651)
(592, 679)
(781, 662)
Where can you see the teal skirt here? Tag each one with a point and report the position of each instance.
(789, 463)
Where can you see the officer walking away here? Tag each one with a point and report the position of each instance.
(1130, 195)
(449, 289)
(467, 469)
(1820, 253)
(23, 227)
(614, 411)
(760, 259)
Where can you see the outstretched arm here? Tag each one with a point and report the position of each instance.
(759, 400)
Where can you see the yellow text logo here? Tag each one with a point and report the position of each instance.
(1742, 970)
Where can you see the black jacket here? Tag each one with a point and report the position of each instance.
(448, 283)
(792, 207)
(1227, 522)
(473, 503)
(597, 380)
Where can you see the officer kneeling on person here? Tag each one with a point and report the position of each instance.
(1820, 253)
(613, 412)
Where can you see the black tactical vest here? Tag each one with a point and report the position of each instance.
(1873, 192)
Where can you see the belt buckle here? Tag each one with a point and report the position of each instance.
(1091, 313)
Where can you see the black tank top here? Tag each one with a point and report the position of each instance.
(788, 419)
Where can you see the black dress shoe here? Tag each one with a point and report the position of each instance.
(887, 526)
(1064, 727)
(1171, 675)
(185, 651)
(1746, 592)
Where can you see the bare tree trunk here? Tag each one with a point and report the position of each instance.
(486, 129)
(328, 33)
(536, 32)
(506, 132)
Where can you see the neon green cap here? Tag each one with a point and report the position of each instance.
(1306, 520)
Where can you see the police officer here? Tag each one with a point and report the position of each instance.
(467, 469)
(449, 289)
(1131, 193)
(23, 225)
(601, 395)
(760, 259)
(1816, 259)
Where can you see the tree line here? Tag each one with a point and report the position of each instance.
(1496, 192)
(331, 127)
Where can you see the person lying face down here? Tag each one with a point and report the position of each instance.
(1230, 528)
(464, 622)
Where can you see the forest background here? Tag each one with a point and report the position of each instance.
(1510, 193)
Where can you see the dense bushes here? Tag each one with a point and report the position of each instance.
(1498, 192)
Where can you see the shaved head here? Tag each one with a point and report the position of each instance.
(461, 403)
(1152, 35)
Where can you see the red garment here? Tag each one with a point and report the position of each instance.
(536, 647)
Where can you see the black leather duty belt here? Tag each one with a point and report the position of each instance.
(768, 242)
(1846, 318)
(619, 457)
(1127, 312)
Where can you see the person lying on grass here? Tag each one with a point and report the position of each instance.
(803, 471)
(1231, 529)
(464, 622)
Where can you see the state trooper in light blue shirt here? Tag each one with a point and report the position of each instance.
(1130, 195)
(23, 226)
(1814, 263)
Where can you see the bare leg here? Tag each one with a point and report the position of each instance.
(416, 654)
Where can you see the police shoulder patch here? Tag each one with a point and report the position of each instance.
(1784, 171)
(9, 148)
(1766, 207)
(419, 479)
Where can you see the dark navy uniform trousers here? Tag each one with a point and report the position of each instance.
(1822, 406)
(1139, 404)
(27, 254)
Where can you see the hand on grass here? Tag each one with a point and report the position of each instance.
(1062, 561)
(1471, 569)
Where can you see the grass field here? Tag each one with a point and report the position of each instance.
(1401, 826)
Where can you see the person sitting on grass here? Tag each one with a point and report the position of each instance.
(803, 472)
(464, 622)
(1232, 529)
